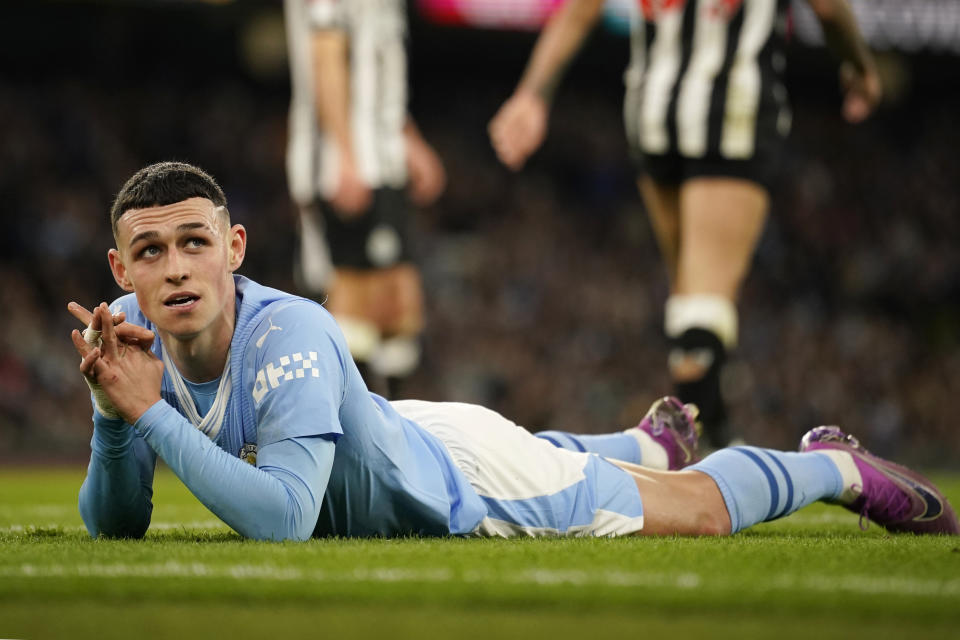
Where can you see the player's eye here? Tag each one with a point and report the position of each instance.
(195, 243)
(149, 251)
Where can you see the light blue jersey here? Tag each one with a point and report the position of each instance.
(291, 399)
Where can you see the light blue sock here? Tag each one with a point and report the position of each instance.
(762, 484)
(621, 446)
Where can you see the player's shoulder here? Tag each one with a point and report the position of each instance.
(129, 305)
(300, 315)
(279, 320)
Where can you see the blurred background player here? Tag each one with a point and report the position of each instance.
(355, 161)
(705, 114)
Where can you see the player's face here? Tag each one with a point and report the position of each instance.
(179, 260)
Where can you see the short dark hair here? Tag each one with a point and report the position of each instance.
(165, 183)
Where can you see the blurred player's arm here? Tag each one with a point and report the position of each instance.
(331, 65)
(858, 71)
(519, 127)
(427, 176)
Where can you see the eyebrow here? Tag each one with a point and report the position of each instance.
(153, 235)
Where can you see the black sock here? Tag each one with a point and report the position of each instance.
(705, 391)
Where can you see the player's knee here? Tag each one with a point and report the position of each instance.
(712, 523)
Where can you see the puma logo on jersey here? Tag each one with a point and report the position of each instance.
(288, 368)
(272, 327)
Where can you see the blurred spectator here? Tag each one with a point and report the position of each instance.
(540, 305)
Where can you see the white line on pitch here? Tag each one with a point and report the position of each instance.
(860, 584)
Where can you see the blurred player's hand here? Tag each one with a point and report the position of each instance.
(519, 127)
(862, 92)
(427, 176)
(128, 374)
(353, 196)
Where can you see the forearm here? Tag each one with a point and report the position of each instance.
(115, 499)
(841, 33)
(265, 503)
(560, 40)
(332, 85)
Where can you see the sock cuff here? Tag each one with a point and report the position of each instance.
(848, 478)
(728, 498)
(715, 313)
(396, 357)
(362, 336)
(652, 453)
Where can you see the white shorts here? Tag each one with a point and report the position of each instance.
(530, 486)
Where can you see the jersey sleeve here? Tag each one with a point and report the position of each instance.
(116, 496)
(277, 500)
(300, 362)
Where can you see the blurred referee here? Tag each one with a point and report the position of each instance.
(355, 161)
(706, 114)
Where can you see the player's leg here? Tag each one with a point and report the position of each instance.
(398, 308)
(396, 295)
(347, 300)
(733, 489)
(529, 486)
(666, 438)
(720, 223)
(376, 293)
(381, 314)
(687, 503)
(737, 488)
(662, 202)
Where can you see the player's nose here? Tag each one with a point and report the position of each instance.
(177, 269)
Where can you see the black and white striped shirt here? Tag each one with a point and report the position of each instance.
(705, 77)
(376, 33)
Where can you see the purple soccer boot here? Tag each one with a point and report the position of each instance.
(892, 496)
(674, 425)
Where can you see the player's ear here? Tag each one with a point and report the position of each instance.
(119, 270)
(238, 246)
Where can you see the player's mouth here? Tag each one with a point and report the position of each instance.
(181, 301)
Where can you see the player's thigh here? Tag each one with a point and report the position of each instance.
(721, 219)
(679, 502)
(391, 298)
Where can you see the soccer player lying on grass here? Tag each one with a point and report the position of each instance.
(250, 396)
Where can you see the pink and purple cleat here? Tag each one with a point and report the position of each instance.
(896, 498)
(674, 425)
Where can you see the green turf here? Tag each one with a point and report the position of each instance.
(813, 574)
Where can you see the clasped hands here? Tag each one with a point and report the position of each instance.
(116, 361)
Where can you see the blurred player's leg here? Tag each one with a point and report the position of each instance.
(373, 288)
(381, 314)
(663, 208)
(707, 231)
(312, 268)
(666, 438)
(720, 222)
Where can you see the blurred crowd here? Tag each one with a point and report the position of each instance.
(544, 288)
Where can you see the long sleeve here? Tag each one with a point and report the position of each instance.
(115, 499)
(277, 500)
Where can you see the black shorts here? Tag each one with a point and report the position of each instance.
(674, 169)
(378, 239)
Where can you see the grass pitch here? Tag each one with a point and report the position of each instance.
(814, 574)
